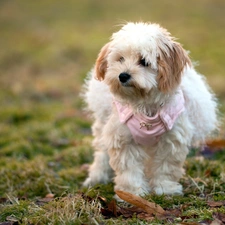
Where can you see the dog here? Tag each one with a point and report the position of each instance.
(149, 106)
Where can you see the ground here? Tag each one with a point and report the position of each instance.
(47, 48)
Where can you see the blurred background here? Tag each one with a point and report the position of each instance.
(48, 46)
(46, 49)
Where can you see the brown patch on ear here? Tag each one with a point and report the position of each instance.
(170, 67)
(101, 62)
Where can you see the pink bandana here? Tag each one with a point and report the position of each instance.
(148, 130)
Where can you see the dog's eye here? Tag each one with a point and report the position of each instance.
(121, 59)
(143, 62)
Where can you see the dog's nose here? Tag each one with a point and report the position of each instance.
(124, 77)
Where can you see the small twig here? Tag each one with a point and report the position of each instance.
(94, 220)
(199, 188)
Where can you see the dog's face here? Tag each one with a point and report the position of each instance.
(141, 57)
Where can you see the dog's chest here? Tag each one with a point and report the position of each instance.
(147, 130)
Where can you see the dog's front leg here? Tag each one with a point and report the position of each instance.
(100, 170)
(128, 164)
(167, 168)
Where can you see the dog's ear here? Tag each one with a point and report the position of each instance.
(170, 67)
(101, 62)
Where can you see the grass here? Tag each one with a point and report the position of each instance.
(47, 47)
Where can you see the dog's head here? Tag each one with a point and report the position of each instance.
(141, 57)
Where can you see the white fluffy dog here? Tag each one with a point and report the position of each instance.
(149, 106)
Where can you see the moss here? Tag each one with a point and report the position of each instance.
(44, 134)
(17, 210)
(103, 190)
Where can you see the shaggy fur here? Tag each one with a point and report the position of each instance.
(157, 67)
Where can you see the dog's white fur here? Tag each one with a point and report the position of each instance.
(140, 169)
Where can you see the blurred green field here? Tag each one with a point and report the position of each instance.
(53, 41)
(46, 49)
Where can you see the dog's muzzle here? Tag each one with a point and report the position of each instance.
(124, 77)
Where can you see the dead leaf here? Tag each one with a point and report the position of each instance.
(149, 207)
(190, 223)
(216, 144)
(112, 207)
(206, 222)
(43, 201)
(129, 212)
(189, 217)
(9, 223)
(219, 216)
(216, 203)
(110, 210)
(208, 173)
(3, 200)
(170, 214)
(216, 222)
(146, 216)
(49, 195)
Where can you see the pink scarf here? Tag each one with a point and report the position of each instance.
(148, 130)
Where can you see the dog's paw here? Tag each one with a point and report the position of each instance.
(168, 188)
(88, 182)
(92, 180)
(139, 191)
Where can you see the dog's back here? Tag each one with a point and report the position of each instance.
(200, 105)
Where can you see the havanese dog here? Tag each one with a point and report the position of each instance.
(149, 106)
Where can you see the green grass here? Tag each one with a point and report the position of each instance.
(47, 48)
